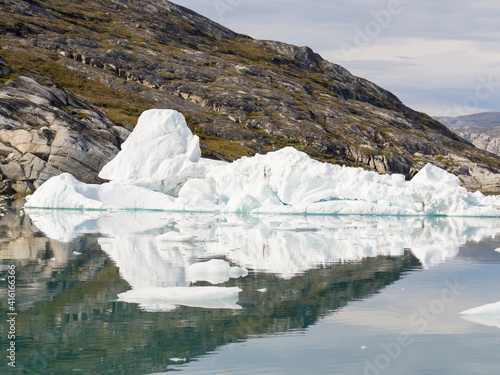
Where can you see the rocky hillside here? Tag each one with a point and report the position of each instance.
(481, 129)
(75, 78)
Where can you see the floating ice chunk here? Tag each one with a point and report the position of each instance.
(215, 271)
(489, 309)
(158, 299)
(488, 315)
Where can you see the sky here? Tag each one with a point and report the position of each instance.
(438, 57)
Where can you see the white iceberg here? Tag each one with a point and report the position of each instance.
(488, 315)
(165, 299)
(489, 309)
(159, 167)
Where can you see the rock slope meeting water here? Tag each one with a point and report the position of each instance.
(160, 167)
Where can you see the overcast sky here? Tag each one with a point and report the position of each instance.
(439, 57)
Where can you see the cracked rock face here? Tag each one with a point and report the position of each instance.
(45, 131)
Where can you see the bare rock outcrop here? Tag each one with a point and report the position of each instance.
(45, 131)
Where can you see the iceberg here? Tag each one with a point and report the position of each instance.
(489, 309)
(165, 299)
(160, 167)
(488, 315)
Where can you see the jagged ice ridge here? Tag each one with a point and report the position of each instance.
(160, 167)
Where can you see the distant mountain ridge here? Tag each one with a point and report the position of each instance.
(75, 79)
(481, 120)
(481, 129)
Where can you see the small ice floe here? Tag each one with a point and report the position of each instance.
(488, 315)
(177, 360)
(165, 299)
(489, 309)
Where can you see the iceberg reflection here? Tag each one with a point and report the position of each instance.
(286, 245)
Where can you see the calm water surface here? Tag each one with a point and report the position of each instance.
(323, 295)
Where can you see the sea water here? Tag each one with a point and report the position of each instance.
(308, 294)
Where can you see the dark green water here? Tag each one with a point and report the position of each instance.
(322, 296)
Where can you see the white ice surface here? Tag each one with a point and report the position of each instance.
(489, 309)
(159, 167)
(488, 315)
(164, 299)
